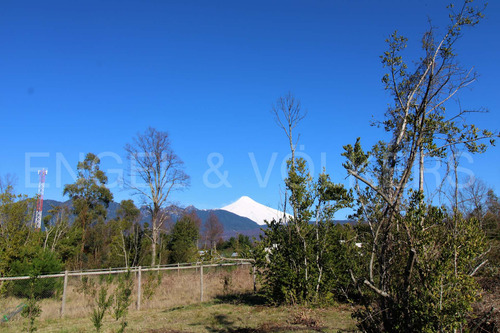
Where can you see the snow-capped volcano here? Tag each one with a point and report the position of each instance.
(253, 210)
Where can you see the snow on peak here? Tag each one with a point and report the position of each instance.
(247, 207)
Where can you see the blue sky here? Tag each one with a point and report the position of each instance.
(86, 76)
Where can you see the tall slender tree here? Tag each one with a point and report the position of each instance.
(288, 114)
(154, 161)
(90, 197)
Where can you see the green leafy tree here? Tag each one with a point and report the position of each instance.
(90, 198)
(242, 244)
(21, 249)
(183, 239)
(15, 226)
(99, 245)
(431, 284)
(410, 291)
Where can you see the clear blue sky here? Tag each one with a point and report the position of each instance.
(86, 76)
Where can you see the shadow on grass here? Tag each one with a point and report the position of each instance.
(264, 328)
(221, 323)
(250, 299)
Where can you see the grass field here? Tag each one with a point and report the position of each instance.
(174, 288)
(241, 313)
(229, 306)
(174, 306)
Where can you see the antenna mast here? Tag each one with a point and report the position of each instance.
(39, 202)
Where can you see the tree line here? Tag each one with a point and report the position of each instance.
(81, 236)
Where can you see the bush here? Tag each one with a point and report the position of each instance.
(302, 262)
(38, 263)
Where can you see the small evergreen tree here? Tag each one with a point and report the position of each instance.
(35, 263)
(32, 310)
(122, 299)
(185, 234)
(103, 303)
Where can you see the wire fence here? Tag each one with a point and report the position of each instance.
(74, 293)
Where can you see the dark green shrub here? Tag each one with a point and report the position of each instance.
(35, 264)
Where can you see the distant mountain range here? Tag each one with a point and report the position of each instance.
(233, 224)
(244, 216)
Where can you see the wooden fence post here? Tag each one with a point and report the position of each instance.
(139, 291)
(65, 288)
(254, 283)
(201, 282)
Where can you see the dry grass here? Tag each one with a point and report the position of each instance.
(183, 288)
(174, 306)
(175, 288)
(216, 316)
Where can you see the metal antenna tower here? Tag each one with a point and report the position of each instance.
(39, 202)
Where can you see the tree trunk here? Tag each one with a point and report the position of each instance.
(292, 168)
(421, 171)
(154, 216)
(153, 247)
(125, 256)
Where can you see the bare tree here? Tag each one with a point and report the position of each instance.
(287, 115)
(472, 198)
(55, 231)
(162, 171)
(212, 231)
(6, 181)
